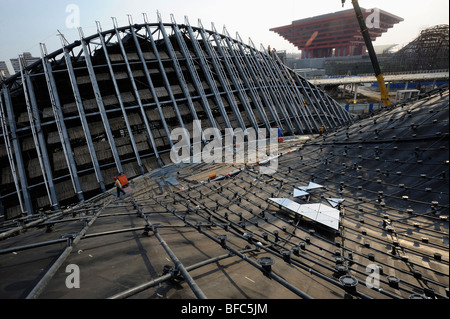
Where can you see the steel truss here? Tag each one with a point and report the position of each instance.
(116, 95)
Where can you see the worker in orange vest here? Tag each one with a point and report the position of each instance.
(322, 129)
(118, 187)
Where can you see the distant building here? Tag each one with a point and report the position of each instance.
(29, 59)
(4, 69)
(336, 34)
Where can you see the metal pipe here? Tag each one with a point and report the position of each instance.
(135, 290)
(19, 228)
(37, 290)
(197, 291)
(251, 262)
(31, 246)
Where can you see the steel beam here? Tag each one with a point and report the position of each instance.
(164, 75)
(62, 130)
(38, 136)
(17, 152)
(234, 77)
(119, 98)
(151, 85)
(138, 98)
(194, 75)
(208, 74)
(237, 74)
(101, 106)
(9, 151)
(249, 78)
(182, 81)
(84, 123)
(221, 76)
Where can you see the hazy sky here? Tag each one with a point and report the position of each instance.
(24, 24)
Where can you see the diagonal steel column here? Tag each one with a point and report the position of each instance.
(181, 80)
(252, 78)
(151, 85)
(304, 110)
(84, 123)
(281, 92)
(193, 72)
(234, 77)
(300, 80)
(138, 98)
(234, 66)
(287, 86)
(317, 104)
(164, 75)
(119, 98)
(101, 106)
(331, 106)
(38, 137)
(9, 151)
(276, 70)
(59, 118)
(320, 94)
(222, 78)
(259, 62)
(208, 74)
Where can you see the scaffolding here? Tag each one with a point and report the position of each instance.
(429, 51)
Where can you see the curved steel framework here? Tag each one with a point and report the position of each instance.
(108, 102)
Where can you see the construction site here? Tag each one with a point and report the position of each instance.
(352, 207)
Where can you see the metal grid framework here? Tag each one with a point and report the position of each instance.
(108, 102)
(223, 238)
(429, 51)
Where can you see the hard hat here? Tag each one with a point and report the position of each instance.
(115, 177)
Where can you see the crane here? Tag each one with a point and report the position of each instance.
(371, 50)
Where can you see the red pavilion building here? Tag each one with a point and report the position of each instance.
(336, 34)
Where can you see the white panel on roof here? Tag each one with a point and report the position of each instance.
(335, 201)
(311, 185)
(320, 213)
(299, 193)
